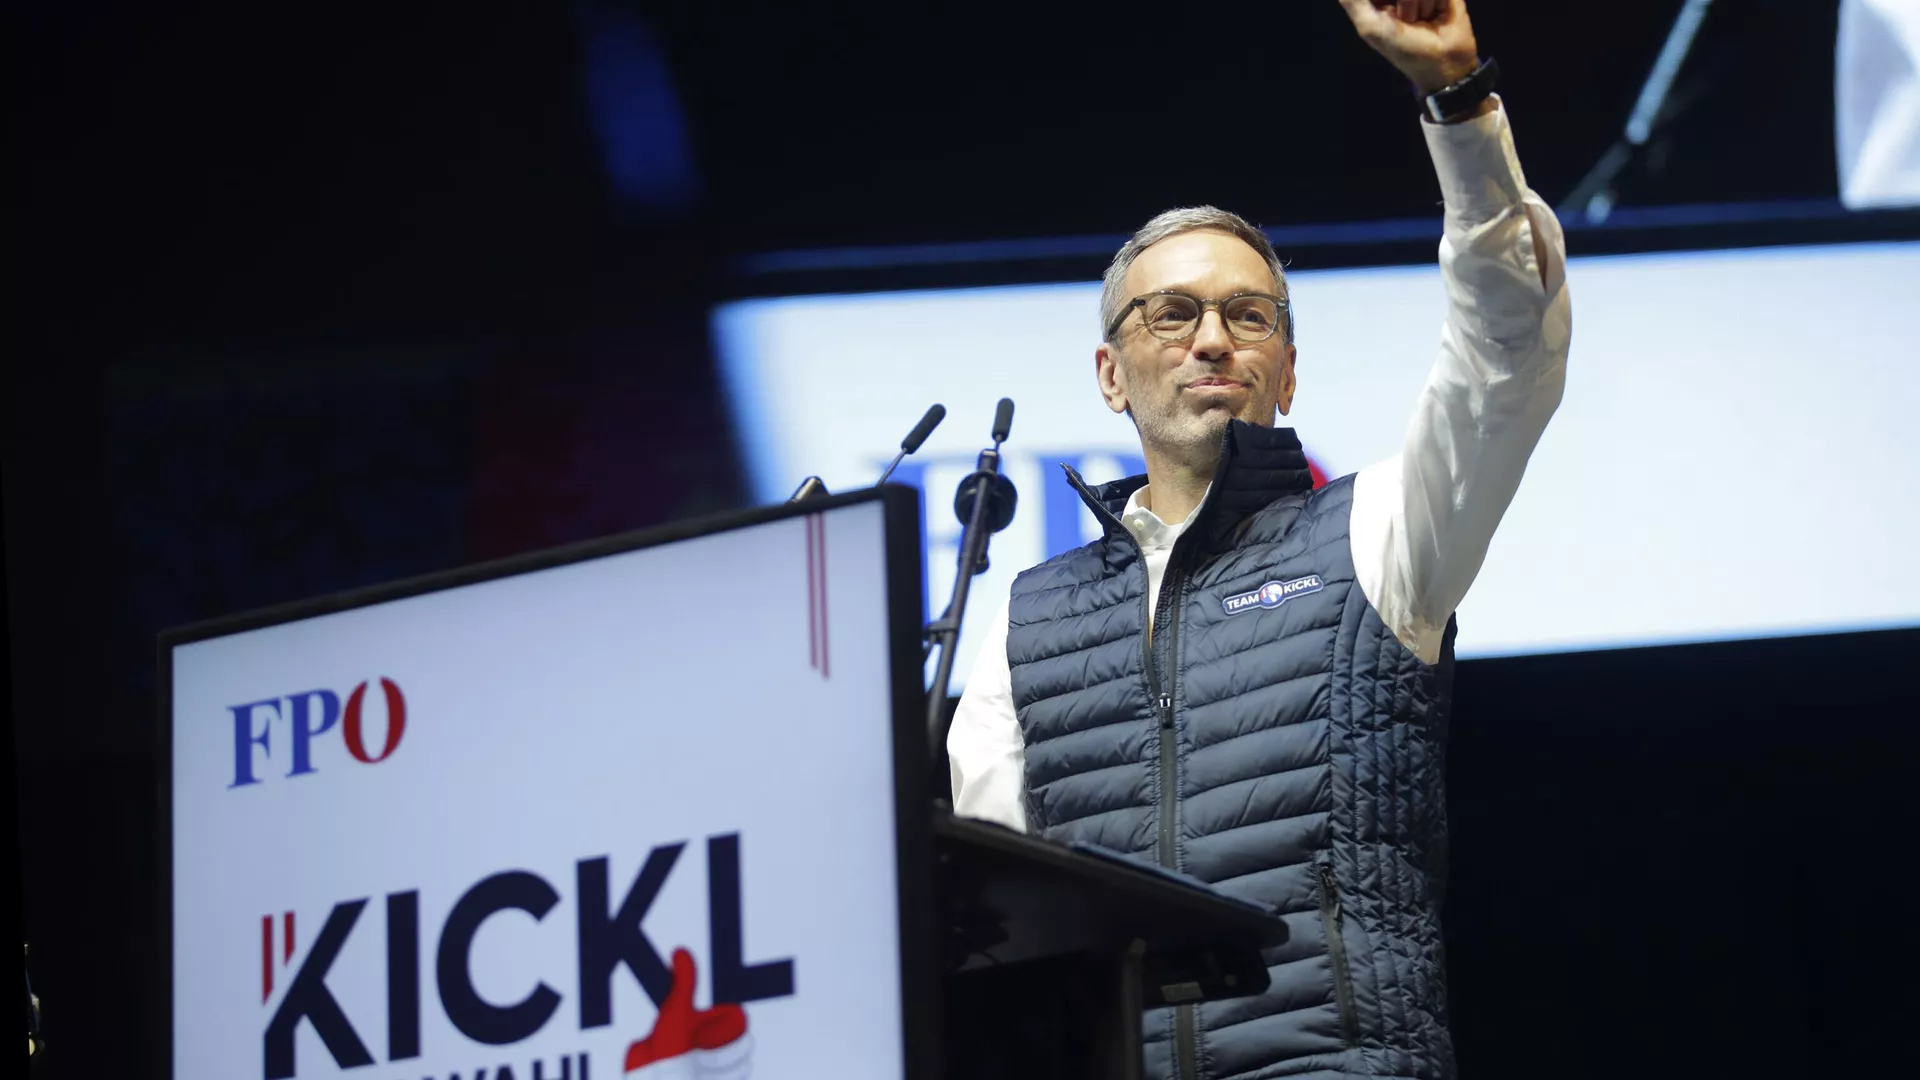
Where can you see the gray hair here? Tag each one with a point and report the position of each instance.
(1172, 223)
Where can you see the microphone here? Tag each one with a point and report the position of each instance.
(984, 504)
(813, 487)
(924, 428)
(915, 437)
(987, 481)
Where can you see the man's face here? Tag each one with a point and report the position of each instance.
(1181, 394)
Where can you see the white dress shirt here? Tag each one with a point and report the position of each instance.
(1422, 519)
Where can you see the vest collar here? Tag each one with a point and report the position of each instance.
(1257, 466)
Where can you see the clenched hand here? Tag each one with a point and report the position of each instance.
(1430, 41)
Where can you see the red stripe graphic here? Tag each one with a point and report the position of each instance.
(266, 957)
(813, 625)
(817, 653)
(826, 667)
(287, 945)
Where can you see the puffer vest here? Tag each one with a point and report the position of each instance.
(1271, 737)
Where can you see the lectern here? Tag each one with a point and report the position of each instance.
(654, 806)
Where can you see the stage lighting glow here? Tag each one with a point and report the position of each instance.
(1737, 454)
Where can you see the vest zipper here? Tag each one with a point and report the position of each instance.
(1186, 1048)
(1337, 951)
(1162, 689)
(1165, 642)
(1169, 763)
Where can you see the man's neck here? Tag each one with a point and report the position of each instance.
(1176, 487)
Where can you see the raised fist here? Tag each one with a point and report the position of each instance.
(1430, 41)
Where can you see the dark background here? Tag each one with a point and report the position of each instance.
(309, 299)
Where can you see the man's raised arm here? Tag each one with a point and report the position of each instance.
(1422, 521)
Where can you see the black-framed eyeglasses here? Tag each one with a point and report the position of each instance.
(1171, 315)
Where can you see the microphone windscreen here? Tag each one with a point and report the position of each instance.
(923, 429)
(1003, 420)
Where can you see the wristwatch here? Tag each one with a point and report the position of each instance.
(1450, 103)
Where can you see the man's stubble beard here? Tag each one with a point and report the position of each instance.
(1191, 440)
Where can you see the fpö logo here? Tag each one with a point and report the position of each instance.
(685, 1042)
(303, 717)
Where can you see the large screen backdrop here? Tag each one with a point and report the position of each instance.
(470, 829)
(1737, 454)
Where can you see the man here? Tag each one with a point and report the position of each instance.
(1246, 678)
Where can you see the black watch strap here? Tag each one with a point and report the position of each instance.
(1452, 102)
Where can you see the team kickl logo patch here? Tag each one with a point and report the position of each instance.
(1272, 594)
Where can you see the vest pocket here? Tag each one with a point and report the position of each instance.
(1337, 951)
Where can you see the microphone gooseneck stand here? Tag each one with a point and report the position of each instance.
(984, 504)
(814, 488)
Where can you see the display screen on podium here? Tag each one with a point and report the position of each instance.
(635, 809)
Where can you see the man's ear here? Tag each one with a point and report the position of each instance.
(1112, 378)
(1287, 355)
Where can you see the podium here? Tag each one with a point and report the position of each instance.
(648, 807)
(1053, 952)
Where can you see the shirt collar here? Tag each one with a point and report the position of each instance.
(1147, 528)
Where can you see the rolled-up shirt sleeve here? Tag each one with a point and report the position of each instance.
(1423, 520)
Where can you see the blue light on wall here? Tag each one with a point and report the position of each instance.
(635, 112)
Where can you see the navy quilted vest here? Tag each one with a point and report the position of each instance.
(1273, 738)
